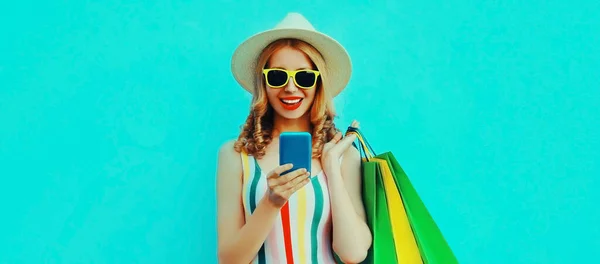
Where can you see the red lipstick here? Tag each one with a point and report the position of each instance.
(291, 102)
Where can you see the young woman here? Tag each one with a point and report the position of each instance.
(293, 72)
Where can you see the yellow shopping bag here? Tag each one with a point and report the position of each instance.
(404, 239)
(393, 239)
(403, 230)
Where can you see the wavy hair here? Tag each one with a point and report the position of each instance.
(257, 131)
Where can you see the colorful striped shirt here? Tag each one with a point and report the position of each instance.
(302, 231)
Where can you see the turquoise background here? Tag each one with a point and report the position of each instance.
(112, 112)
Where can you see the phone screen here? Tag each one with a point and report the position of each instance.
(295, 148)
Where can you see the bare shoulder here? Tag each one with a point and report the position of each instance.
(230, 214)
(351, 156)
(229, 163)
(351, 163)
(352, 174)
(227, 150)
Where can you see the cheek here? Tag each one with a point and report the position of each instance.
(310, 94)
(272, 95)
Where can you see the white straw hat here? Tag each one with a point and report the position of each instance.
(294, 25)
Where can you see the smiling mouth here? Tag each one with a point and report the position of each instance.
(291, 101)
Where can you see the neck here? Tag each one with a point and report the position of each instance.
(281, 124)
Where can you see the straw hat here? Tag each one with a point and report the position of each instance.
(294, 25)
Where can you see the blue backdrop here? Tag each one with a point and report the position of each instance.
(111, 114)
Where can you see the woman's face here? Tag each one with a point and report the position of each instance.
(290, 101)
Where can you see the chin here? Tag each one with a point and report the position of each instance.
(295, 114)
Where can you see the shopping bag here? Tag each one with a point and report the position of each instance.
(431, 244)
(404, 239)
(393, 239)
(383, 249)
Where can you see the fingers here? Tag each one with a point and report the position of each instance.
(279, 170)
(336, 138)
(299, 183)
(346, 141)
(296, 183)
(287, 179)
(276, 179)
(354, 124)
(281, 188)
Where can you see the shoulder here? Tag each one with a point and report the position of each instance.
(228, 157)
(352, 154)
(227, 149)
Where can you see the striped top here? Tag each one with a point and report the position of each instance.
(302, 231)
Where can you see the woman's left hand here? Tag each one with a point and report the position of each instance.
(334, 149)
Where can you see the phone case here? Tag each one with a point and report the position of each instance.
(295, 148)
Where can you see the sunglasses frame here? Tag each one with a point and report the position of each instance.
(293, 75)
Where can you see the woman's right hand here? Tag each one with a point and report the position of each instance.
(282, 187)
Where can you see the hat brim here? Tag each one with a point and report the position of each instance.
(337, 60)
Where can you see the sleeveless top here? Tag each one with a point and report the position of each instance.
(302, 231)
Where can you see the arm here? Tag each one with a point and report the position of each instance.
(351, 234)
(239, 239)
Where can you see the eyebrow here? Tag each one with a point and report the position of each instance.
(302, 68)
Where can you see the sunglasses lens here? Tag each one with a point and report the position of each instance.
(306, 79)
(276, 78)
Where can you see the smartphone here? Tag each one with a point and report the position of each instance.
(295, 148)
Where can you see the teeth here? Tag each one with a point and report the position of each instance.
(291, 101)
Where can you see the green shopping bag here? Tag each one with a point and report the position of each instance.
(393, 239)
(378, 218)
(432, 246)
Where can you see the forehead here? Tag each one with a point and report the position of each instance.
(290, 58)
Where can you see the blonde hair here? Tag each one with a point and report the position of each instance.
(257, 130)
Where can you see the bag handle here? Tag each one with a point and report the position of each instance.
(365, 148)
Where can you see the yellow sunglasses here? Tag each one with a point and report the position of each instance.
(277, 78)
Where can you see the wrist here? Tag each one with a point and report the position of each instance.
(268, 204)
(331, 168)
(330, 165)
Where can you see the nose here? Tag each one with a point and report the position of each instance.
(291, 86)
